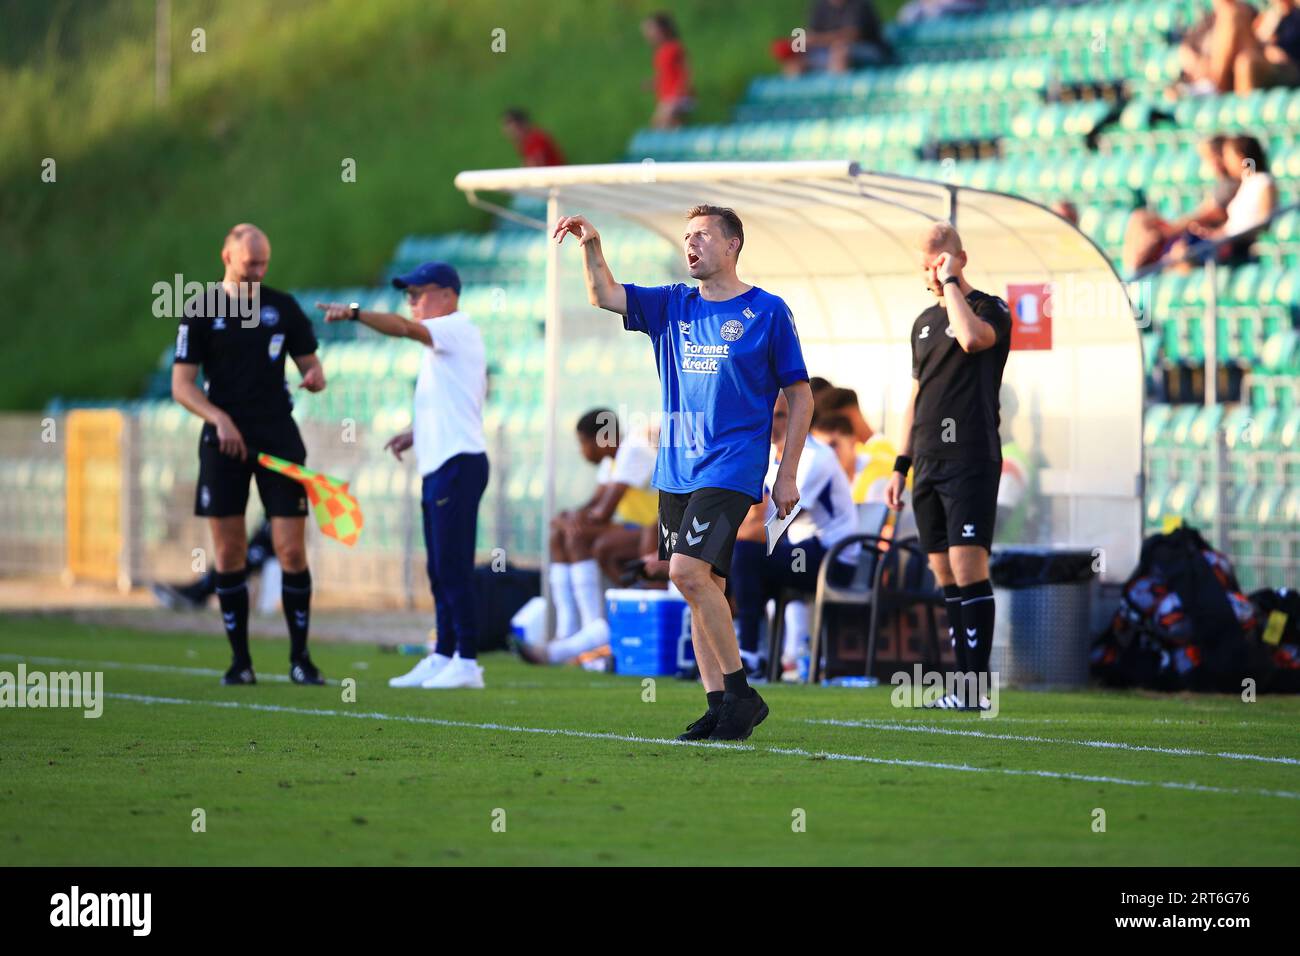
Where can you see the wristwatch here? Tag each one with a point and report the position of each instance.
(952, 279)
(356, 310)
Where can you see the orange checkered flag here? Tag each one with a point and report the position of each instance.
(337, 512)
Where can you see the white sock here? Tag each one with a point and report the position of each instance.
(796, 629)
(587, 590)
(591, 636)
(566, 611)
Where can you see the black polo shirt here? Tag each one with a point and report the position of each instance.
(956, 415)
(243, 359)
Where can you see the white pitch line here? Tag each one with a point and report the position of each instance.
(147, 668)
(631, 738)
(919, 728)
(283, 679)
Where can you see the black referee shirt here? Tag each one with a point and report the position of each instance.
(957, 402)
(244, 366)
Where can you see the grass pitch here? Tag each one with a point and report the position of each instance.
(578, 769)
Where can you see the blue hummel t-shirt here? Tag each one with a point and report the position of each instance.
(721, 365)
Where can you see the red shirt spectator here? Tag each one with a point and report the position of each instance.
(672, 76)
(535, 146)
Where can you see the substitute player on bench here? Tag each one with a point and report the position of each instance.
(724, 350)
(246, 410)
(950, 428)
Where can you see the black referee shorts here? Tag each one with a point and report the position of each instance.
(223, 480)
(702, 524)
(956, 502)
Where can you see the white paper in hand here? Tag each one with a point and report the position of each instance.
(776, 526)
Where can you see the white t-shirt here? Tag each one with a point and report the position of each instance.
(825, 497)
(449, 393)
(1249, 206)
(633, 465)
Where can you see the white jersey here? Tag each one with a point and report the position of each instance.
(825, 497)
(633, 465)
(449, 393)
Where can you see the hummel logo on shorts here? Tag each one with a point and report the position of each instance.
(694, 539)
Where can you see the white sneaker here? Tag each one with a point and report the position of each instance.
(460, 672)
(428, 667)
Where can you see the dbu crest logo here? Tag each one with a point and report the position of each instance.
(270, 316)
(732, 330)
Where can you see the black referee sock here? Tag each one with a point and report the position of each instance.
(952, 603)
(977, 622)
(295, 598)
(232, 594)
(714, 698)
(737, 684)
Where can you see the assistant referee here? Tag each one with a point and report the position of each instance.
(950, 433)
(239, 336)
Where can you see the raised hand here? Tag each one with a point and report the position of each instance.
(578, 226)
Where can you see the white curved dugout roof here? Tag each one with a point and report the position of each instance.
(838, 244)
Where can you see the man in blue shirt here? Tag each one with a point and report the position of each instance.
(724, 349)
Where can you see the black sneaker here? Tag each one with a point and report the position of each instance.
(530, 653)
(238, 674)
(738, 717)
(303, 671)
(702, 728)
(177, 599)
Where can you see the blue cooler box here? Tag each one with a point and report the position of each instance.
(649, 632)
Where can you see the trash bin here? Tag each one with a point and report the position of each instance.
(1044, 598)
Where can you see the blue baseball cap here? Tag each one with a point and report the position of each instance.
(430, 273)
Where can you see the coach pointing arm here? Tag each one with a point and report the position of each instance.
(602, 290)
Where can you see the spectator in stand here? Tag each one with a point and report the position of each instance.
(840, 35)
(536, 148)
(1246, 216)
(1148, 237)
(919, 10)
(1067, 211)
(1217, 50)
(1273, 59)
(674, 97)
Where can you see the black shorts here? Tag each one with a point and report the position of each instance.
(955, 502)
(702, 524)
(223, 480)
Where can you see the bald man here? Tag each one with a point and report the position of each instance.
(239, 334)
(950, 426)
